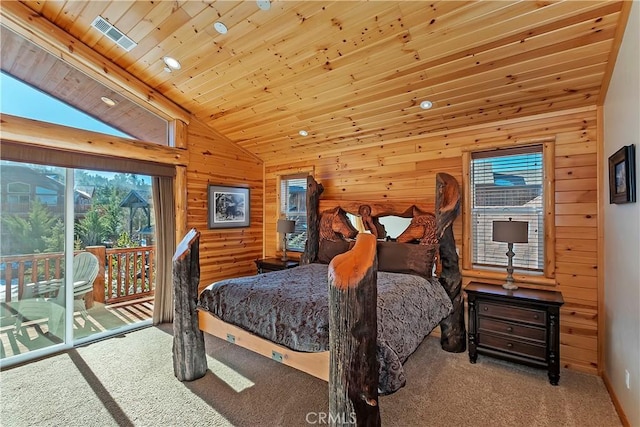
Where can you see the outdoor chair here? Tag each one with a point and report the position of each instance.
(47, 299)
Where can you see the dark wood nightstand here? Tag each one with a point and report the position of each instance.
(521, 326)
(274, 264)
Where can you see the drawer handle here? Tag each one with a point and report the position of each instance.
(509, 345)
(509, 329)
(486, 309)
(535, 316)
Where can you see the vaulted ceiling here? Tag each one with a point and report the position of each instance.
(353, 73)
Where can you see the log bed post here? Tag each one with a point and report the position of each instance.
(453, 333)
(353, 329)
(189, 358)
(311, 246)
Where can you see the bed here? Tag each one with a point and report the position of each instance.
(301, 317)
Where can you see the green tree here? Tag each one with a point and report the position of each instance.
(33, 234)
(90, 230)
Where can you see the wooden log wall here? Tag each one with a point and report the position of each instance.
(404, 172)
(229, 252)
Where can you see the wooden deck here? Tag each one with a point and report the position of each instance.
(34, 334)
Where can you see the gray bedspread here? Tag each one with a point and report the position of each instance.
(290, 308)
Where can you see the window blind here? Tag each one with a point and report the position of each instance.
(508, 184)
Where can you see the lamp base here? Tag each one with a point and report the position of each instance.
(510, 286)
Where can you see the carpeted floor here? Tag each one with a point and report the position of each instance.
(128, 381)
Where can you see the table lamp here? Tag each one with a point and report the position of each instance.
(510, 232)
(285, 226)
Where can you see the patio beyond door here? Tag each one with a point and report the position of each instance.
(98, 227)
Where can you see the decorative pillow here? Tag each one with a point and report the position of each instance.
(328, 249)
(406, 258)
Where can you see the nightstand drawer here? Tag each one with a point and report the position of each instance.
(512, 346)
(512, 329)
(509, 312)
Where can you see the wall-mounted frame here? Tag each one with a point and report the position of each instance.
(228, 206)
(622, 175)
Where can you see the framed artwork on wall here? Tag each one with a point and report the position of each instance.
(228, 206)
(622, 175)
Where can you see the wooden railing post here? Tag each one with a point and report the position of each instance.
(353, 330)
(98, 285)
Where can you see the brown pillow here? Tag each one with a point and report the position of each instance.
(328, 249)
(406, 258)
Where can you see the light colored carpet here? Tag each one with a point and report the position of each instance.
(128, 381)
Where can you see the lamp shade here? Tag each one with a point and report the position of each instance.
(286, 226)
(510, 231)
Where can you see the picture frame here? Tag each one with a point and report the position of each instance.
(622, 175)
(229, 207)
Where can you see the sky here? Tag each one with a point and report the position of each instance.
(19, 99)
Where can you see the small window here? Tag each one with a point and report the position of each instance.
(508, 184)
(293, 206)
(18, 193)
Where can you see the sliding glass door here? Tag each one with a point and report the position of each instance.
(77, 258)
(32, 257)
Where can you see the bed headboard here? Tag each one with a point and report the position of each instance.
(330, 228)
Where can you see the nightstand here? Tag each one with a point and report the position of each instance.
(274, 264)
(521, 326)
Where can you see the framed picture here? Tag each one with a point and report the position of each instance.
(228, 206)
(622, 175)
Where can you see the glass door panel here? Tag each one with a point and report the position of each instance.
(32, 257)
(114, 223)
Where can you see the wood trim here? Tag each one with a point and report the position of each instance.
(49, 135)
(316, 364)
(499, 277)
(264, 210)
(180, 194)
(22, 20)
(549, 179)
(548, 153)
(614, 398)
(601, 203)
(178, 134)
(625, 11)
(466, 211)
(507, 144)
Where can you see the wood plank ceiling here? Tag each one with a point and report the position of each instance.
(354, 73)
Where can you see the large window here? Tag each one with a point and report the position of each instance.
(293, 205)
(507, 184)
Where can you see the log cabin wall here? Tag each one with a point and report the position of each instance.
(230, 252)
(404, 171)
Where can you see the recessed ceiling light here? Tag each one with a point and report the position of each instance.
(171, 63)
(264, 4)
(303, 133)
(425, 105)
(110, 102)
(220, 27)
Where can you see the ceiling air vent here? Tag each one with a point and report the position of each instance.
(113, 33)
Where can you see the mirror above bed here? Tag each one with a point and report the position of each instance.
(393, 225)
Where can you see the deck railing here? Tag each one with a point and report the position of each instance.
(125, 273)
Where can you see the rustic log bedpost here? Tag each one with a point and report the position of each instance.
(314, 190)
(189, 358)
(453, 333)
(353, 329)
